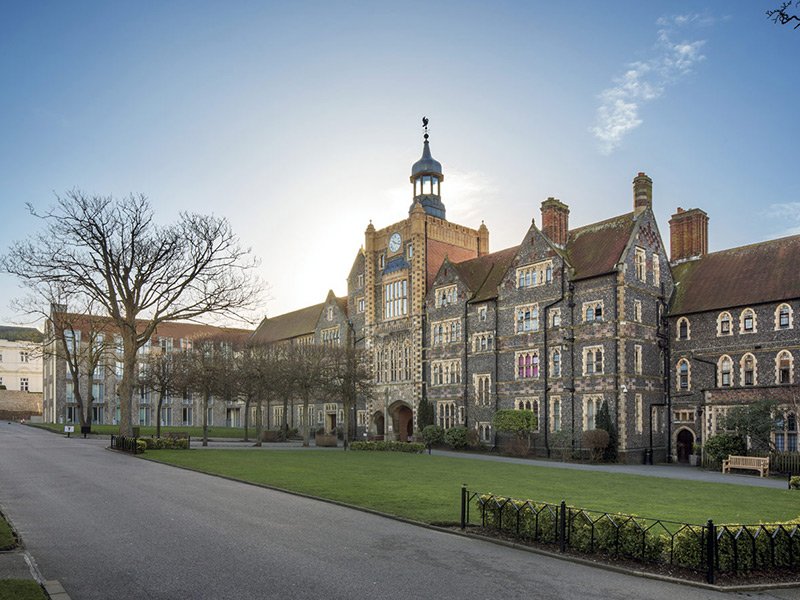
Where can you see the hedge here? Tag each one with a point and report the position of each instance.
(165, 443)
(740, 548)
(389, 446)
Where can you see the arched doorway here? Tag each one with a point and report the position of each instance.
(684, 444)
(378, 421)
(402, 421)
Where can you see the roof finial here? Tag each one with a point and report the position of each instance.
(425, 127)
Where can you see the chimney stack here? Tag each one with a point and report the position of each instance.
(555, 221)
(688, 234)
(642, 193)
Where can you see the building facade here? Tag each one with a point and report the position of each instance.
(564, 323)
(21, 359)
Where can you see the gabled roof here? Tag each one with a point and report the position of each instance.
(754, 274)
(483, 275)
(289, 325)
(174, 329)
(436, 253)
(596, 249)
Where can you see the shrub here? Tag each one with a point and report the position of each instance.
(794, 482)
(389, 446)
(141, 446)
(603, 421)
(561, 442)
(596, 440)
(456, 437)
(433, 435)
(520, 422)
(722, 445)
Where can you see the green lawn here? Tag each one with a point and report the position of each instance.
(7, 539)
(21, 589)
(195, 432)
(426, 488)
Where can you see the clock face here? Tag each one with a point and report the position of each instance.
(394, 242)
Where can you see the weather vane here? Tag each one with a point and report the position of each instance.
(425, 127)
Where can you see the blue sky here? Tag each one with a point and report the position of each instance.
(299, 121)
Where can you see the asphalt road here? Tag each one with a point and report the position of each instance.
(109, 525)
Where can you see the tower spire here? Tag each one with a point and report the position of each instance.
(426, 178)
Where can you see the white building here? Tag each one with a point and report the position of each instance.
(21, 359)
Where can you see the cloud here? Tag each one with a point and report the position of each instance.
(789, 214)
(645, 81)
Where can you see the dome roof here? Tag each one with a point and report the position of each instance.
(426, 164)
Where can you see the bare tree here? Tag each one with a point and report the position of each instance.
(349, 379)
(782, 16)
(112, 252)
(161, 372)
(85, 342)
(307, 368)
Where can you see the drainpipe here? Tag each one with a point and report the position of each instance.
(617, 344)
(547, 365)
(663, 342)
(466, 365)
(571, 340)
(496, 370)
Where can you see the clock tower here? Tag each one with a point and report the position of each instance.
(399, 264)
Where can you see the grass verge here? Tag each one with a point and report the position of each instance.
(7, 539)
(194, 432)
(427, 488)
(21, 589)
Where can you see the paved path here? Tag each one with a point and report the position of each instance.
(109, 525)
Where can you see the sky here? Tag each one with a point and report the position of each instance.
(299, 121)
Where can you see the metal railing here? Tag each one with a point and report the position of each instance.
(688, 549)
(125, 444)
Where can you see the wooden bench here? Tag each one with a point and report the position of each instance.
(754, 463)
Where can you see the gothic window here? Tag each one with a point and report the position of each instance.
(639, 413)
(785, 432)
(446, 296)
(483, 342)
(591, 407)
(684, 374)
(656, 271)
(446, 414)
(640, 260)
(784, 367)
(527, 318)
(593, 360)
(534, 275)
(637, 311)
(527, 364)
(724, 324)
(725, 371)
(783, 317)
(748, 369)
(556, 317)
(395, 299)
(555, 413)
(556, 362)
(593, 311)
(483, 389)
(747, 321)
(445, 372)
(683, 329)
(482, 311)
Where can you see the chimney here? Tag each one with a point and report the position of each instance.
(688, 234)
(642, 193)
(555, 221)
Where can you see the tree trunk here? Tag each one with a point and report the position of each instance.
(158, 414)
(206, 398)
(306, 428)
(246, 418)
(126, 385)
(259, 423)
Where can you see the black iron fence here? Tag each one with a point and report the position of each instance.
(706, 550)
(126, 444)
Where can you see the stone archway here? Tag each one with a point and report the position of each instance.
(378, 422)
(684, 445)
(402, 421)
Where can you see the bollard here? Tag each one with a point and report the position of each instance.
(463, 506)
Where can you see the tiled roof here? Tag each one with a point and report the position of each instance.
(289, 325)
(173, 329)
(437, 251)
(20, 334)
(595, 249)
(764, 272)
(483, 275)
